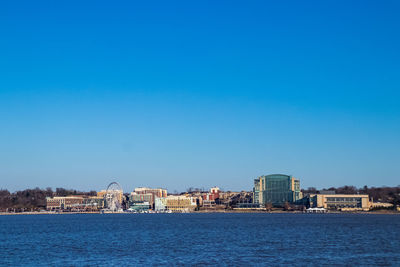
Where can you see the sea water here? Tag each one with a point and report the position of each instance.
(200, 239)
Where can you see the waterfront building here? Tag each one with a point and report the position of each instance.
(160, 204)
(74, 202)
(103, 194)
(342, 202)
(196, 195)
(136, 199)
(157, 192)
(176, 203)
(139, 206)
(146, 194)
(93, 202)
(276, 189)
(61, 203)
(208, 199)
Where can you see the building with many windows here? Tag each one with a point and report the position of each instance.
(139, 206)
(341, 202)
(134, 197)
(144, 194)
(138, 201)
(63, 203)
(176, 203)
(75, 202)
(103, 194)
(93, 202)
(208, 199)
(276, 189)
(157, 192)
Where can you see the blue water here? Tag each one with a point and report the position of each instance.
(200, 239)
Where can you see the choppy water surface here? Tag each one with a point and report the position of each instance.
(200, 239)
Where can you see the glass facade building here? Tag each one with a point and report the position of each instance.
(276, 189)
(139, 206)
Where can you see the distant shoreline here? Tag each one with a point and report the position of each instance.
(208, 211)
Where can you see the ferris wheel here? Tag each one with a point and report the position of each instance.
(114, 197)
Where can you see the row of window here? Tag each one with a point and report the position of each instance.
(330, 206)
(343, 199)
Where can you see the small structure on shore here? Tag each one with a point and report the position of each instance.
(316, 210)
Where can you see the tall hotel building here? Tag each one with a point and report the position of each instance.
(276, 189)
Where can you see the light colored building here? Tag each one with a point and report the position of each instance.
(74, 202)
(144, 194)
(103, 193)
(196, 195)
(176, 203)
(160, 204)
(341, 202)
(208, 199)
(136, 201)
(61, 203)
(276, 189)
(157, 192)
(134, 197)
(139, 206)
(93, 202)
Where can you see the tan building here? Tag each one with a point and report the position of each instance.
(145, 194)
(93, 202)
(157, 192)
(61, 203)
(140, 198)
(341, 202)
(176, 203)
(103, 193)
(198, 196)
(74, 202)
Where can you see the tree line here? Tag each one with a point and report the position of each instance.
(33, 199)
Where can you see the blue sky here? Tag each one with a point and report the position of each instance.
(181, 93)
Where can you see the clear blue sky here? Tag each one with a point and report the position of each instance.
(179, 94)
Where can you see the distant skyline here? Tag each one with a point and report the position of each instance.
(199, 94)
